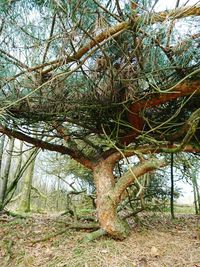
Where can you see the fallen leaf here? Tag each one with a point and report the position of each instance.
(154, 252)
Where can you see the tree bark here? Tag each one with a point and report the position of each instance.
(4, 182)
(25, 200)
(106, 206)
(172, 188)
(2, 140)
(196, 192)
(109, 193)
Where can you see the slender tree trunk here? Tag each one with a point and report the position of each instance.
(110, 194)
(25, 200)
(196, 193)
(2, 141)
(172, 187)
(5, 176)
(195, 197)
(58, 195)
(198, 196)
(20, 169)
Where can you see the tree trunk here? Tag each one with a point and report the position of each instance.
(109, 193)
(172, 188)
(106, 206)
(2, 140)
(20, 169)
(196, 193)
(25, 201)
(5, 176)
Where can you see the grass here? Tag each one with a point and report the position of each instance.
(181, 209)
(185, 209)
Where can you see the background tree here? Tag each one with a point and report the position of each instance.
(25, 194)
(5, 176)
(190, 165)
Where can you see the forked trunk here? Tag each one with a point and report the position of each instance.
(106, 205)
(110, 193)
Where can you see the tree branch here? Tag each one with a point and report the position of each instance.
(135, 119)
(113, 155)
(121, 27)
(130, 176)
(76, 155)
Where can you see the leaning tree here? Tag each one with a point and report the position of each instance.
(102, 81)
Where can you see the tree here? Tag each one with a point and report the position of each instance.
(105, 81)
(190, 165)
(5, 176)
(25, 198)
(2, 141)
(172, 188)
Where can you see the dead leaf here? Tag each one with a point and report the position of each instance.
(154, 252)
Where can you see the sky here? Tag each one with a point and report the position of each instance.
(186, 193)
(167, 4)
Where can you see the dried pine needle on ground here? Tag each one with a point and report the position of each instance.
(154, 241)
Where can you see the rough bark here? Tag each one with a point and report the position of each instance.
(109, 193)
(106, 207)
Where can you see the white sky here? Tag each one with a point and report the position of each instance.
(187, 196)
(168, 4)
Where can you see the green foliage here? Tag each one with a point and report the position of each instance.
(159, 187)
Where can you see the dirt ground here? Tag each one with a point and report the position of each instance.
(43, 240)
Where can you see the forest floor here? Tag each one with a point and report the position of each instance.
(44, 240)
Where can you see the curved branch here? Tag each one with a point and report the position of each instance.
(135, 119)
(76, 155)
(130, 176)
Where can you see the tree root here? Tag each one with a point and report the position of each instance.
(77, 226)
(94, 235)
(80, 218)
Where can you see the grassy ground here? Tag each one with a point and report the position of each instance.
(183, 209)
(154, 241)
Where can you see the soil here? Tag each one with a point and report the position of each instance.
(155, 240)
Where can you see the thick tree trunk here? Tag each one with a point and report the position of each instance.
(109, 193)
(106, 206)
